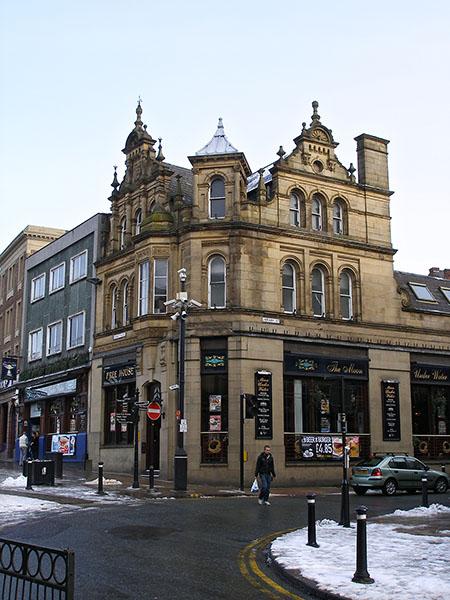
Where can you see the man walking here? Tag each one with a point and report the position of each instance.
(23, 448)
(265, 470)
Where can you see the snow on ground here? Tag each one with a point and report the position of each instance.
(403, 565)
(16, 509)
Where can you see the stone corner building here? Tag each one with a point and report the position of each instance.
(293, 266)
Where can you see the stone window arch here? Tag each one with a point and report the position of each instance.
(138, 221)
(318, 216)
(217, 198)
(318, 291)
(122, 232)
(297, 208)
(339, 209)
(289, 287)
(217, 282)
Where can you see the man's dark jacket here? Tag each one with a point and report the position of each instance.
(264, 465)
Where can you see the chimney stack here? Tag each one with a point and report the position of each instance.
(372, 161)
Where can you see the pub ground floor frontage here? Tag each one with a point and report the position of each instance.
(301, 391)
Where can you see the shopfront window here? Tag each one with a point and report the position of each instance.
(118, 414)
(431, 410)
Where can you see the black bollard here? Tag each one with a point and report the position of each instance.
(425, 492)
(29, 474)
(312, 521)
(443, 468)
(151, 478)
(361, 574)
(100, 491)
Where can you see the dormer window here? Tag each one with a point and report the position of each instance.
(316, 213)
(217, 198)
(446, 292)
(421, 292)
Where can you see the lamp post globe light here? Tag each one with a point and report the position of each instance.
(181, 305)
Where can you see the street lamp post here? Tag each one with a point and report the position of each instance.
(182, 304)
(345, 488)
(136, 440)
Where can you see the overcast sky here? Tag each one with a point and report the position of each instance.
(72, 71)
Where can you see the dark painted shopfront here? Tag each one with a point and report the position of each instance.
(58, 413)
(119, 384)
(430, 396)
(321, 383)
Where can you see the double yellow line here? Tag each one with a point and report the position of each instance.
(250, 570)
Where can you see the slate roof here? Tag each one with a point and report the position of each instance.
(434, 284)
(218, 144)
(186, 181)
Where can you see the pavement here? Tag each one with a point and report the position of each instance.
(120, 485)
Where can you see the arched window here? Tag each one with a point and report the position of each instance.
(338, 217)
(295, 217)
(125, 303)
(217, 198)
(317, 213)
(216, 282)
(138, 221)
(318, 292)
(289, 288)
(346, 295)
(113, 307)
(123, 229)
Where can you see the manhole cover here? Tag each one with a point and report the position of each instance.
(137, 532)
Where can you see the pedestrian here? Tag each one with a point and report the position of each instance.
(23, 448)
(265, 470)
(34, 445)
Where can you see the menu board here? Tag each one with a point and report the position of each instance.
(263, 417)
(391, 411)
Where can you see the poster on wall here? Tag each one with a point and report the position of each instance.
(329, 447)
(391, 411)
(64, 444)
(215, 403)
(215, 423)
(263, 417)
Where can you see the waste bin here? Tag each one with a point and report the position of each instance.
(57, 457)
(43, 472)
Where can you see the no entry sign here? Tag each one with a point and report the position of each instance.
(154, 411)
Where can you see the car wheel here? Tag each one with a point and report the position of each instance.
(441, 486)
(360, 491)
(390, 487)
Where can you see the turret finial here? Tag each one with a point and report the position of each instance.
(160, 155)
(281, 152)
(138, 121)
(115, 182)
(315, 116)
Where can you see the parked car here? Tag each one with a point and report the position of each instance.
(390, 473)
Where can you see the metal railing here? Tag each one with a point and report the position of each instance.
(33, 572)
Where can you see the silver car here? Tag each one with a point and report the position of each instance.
(390, 473)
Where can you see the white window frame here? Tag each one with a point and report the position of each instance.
(166, 278)
(347, 298)
(211, 198)
(69, 329)
(125, 303)
(33, 297)
(295, 210)
(223, 282)
(445, 292)
(321, 297)
(52, 290)
(123, 231)
(317, 216)
(72, 279)
(338, 218)
(143, 289)
(113, 306)
(291, 290)
(38, 354)
(138, 218)
(49, 327)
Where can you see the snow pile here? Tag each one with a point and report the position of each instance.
(18, 482)
(401, 563)
(105, 482)
(15, 509)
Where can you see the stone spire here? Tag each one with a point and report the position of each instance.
(139, 135)
(160, 156)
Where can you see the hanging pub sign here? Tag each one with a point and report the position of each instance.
(263, 416)
(9, 369)
(214, 361)
(430, 374)
(296, 364)
(391, 411)
(118, 374)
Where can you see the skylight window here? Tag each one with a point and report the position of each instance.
(446, 292)
(422, 292)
